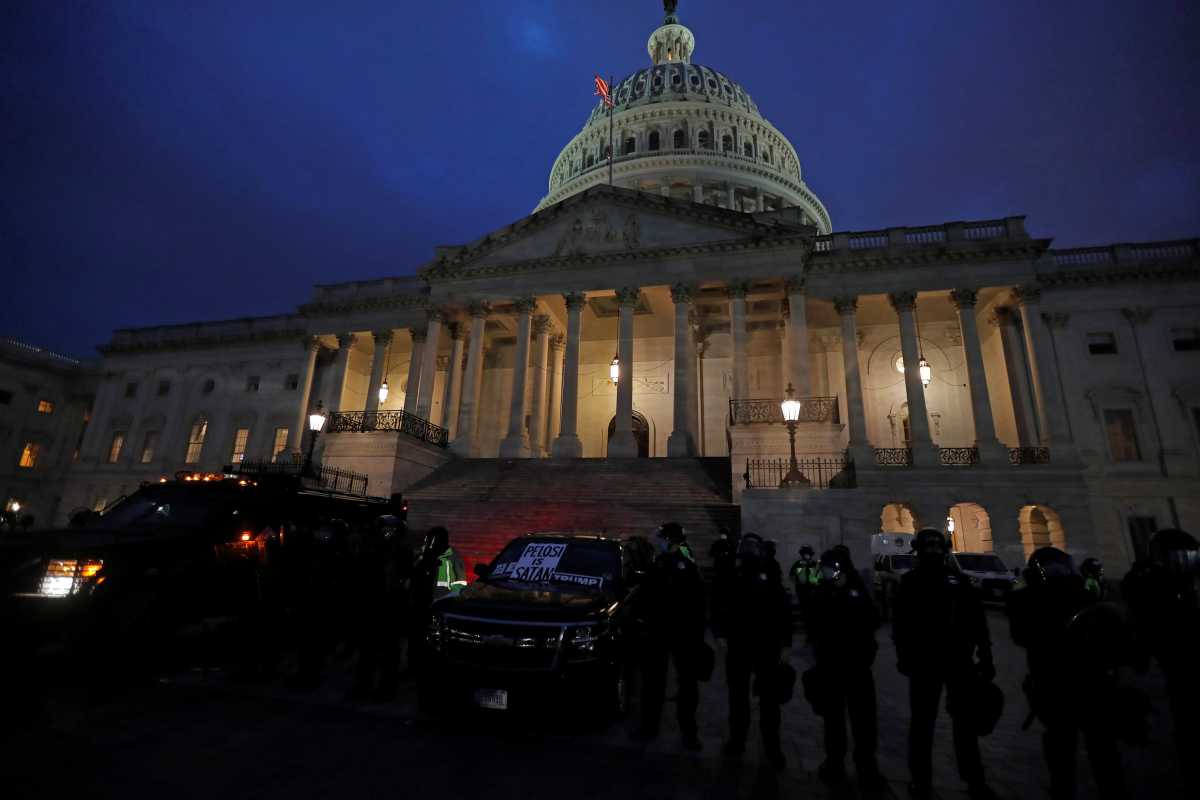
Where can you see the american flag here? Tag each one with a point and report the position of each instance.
(602, 91)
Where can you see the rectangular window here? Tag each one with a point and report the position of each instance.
(240, 437)
(1122, 435)
(291, 382)
(1185, 340)
(45, 407)
(1102, 344)
(131, 389)
(164, 388)
(5, 397)
(29, 455)
(252, 383)
(196, 441)
(149, 445)
(114, 449)
(279, 445)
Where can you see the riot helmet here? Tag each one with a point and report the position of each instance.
(931, 549)
(750, 549)
(1092, 568)
(806, 552)
(835, 569)
(672, 532)
(1176, 552)
(1049, 564)
(770, 548)
(436, 541)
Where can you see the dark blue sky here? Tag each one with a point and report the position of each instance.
(169, 161)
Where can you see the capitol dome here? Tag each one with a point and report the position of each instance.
(686, 131)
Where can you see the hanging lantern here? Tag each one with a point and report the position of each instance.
(614, 370)
(316, 420)
(926, 373)
(383, 392)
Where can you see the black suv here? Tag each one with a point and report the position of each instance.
(547, 621)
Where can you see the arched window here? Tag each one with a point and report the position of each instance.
(679, 141)
(196, 440)
(748, 150)
(705, 140)
(654, 141)
(630, 146)
(727, 144)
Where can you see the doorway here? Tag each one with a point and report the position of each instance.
(641, 433)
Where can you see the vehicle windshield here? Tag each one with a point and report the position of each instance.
(163, 506)
(586, 564)
(980, 563)
(902, 562)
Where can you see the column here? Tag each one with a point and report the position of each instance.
(622, 444)
(760, 203)
(429, 355)
(731, 197)
(1047, 398)
(516, 443)
(680, 444)
(464, 442)
(1018, 376)
(990, 450)
(567, 444)
(737, 330)
(337, 378)
(923, 451)
(106, 392)
(454, 379)
(698, 193)
(415, 361)
(378, 369)
(537, 409)
(556, 383)
(799, 369)
(856, 423)
(697, 343)
(296, 432)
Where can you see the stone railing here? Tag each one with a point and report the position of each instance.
(824, 473)
(1007, 228)
(401, 421)
(1115, 254)
(1028, 455)
(812, 409)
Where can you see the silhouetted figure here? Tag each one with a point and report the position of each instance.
(1092, 572)
(804, 574)
(438, 571)
(316, 564)
(841, 626)
(1161, 593)
(1072, 680)
(383, 567)
(942, 641)
(670, 608)
(754, 617)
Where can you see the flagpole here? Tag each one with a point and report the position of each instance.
(610, 133)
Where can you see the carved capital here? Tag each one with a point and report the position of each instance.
(574, 300)
(455, 330)
(1139, 315)
(682, 293)
(737, 290)
(963, 298)
(628, 296)
(557, 341)
(1056, 319)
(541, 325)
(311, 343)
(1028, 293)
(846, 304)
(346, 340)
(435, 314)
(382, 338)
(480, 308)
(525, 305)
(1003, 315)
(794, 284)
(903, 301)
(417, 334)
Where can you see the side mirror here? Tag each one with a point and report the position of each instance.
(481, 570)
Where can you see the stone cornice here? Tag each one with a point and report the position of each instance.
(885, 258)
(1134, 273)
(193, 342)
(354, 305)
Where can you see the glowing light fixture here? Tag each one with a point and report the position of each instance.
(316, 420)
(950, 524)
(614, 370)
(791, 415)
(926, 372)
(383, 391)
(14, 507)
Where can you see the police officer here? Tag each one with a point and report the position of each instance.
(1092, 571)
(1071, 687)
(942, 641)
(1161, 593)
(383, 564)
(804, 572)
(753, 616)
(841, 627)
(437, 572)
(670, 610)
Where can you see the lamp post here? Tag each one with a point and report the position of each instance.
(316, 421)
(791, 415)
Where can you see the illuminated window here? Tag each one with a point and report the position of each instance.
(1102, 344)
(114, 449)
(291, 382)
(196, 441)
(45, 407)
(240, 437)
(252, 383)
(131, 389)
(149, 444)
(164, 388)
(1121, 430)
(279, 445)
(29, 455)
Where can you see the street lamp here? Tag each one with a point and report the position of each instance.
(614, 369)
(791, 415)
(316, 421)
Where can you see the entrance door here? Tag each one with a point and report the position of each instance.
(641, 433)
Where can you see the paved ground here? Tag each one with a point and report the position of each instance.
(203, 735)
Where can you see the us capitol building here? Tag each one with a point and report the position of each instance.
(961, 375)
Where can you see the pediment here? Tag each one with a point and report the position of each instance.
(604, 222)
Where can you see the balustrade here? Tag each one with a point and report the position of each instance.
(893, 456)
(812, 409)
(958, 456)
(1028, 455)
(400, 421)
(824, 473)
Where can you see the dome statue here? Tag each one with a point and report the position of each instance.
(686, 131)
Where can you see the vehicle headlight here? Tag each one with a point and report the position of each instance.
(583, 639)
(66, 576)
(435, 635)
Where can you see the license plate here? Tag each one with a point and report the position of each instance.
(492, 698)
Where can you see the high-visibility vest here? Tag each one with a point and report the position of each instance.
(447, 575)
(685, 550)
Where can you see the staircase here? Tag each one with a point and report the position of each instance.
(484, 503)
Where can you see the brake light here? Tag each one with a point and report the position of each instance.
(246, 536)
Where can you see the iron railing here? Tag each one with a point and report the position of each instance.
(958, 456)
(402, 421)
(893, 456)
(326, 479)
(825, 473)
(1028, 455)
(812, 409)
